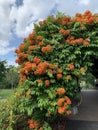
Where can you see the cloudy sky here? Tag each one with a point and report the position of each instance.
(17, 18)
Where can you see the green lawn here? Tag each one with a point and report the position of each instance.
(5, 93)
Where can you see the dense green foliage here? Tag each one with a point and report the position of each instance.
(10, 77)
(58, 52)
(2, 70)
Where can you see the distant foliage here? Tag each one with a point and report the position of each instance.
(2, 71)
(10, 79)
(54, 56)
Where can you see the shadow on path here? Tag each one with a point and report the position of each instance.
(81, 125)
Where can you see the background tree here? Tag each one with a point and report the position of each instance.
(2, 71)
(11, 77)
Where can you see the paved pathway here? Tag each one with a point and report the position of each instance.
(88, 110)
(87, 118)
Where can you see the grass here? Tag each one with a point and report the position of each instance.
(5, 93)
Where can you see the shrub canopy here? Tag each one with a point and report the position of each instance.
(54, 56)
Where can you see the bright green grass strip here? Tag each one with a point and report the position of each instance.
(5, 93)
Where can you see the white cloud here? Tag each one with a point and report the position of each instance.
(85, 2)
(25, 15)
(18, 20)
(5, 50)
(5, 26)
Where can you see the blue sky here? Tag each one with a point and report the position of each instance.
(17, 18)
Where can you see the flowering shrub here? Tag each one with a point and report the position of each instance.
(53, 57)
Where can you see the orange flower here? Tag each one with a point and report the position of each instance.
(36, 60)
(68, 77)
(47, 83)
(22, 78)
(40, 81)
(39, 38)
(62, 31)
(31, 42)
(82, 69)
(30, 121)
(60, 71)
(61, 102)
(16, 95)
(59, 76)
(40, 43)
(68, 101)
(17, 51)
(61, 110)
(67, 32)
(61, 91)
(79, 40)
(30, 48)
(73, 42)
(46, 49)
(40, 128)
(71, 66)
(51, 66)
(31, 36)
(22, 46)
(41, 68)
(22, 71)
(33, 124)
(68, 112)
(33, 66)
(28, 67)
(86, 43)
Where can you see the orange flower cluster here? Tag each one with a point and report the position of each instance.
(16, 94)
(31, 48)
(21, 58)
(73, 41)
(60, 71)
(47, 83)
(28, 93)
(22, 78)
(86, 17)
(31, 38)
(71, 66)
(22, 47)
(82, 70)
(68, 77)
(62, 105)
(26, 70)
(59, 76)
(46, 49)
(36, 60)
(33, 124)
(40, 43)
(86, 42)
(52, 66)
(61, 91)
(41, 68)
(64, 32)
(78, 41)
(39, 38)
(39, 81)
(64, 20)
(20, 53)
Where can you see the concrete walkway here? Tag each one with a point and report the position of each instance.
(87, 117)
(88, 110)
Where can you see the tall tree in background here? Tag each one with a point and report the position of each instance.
(2, 70)
(12, 77)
